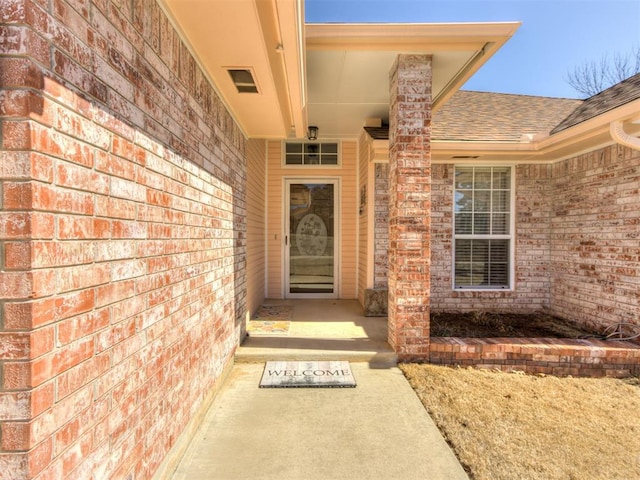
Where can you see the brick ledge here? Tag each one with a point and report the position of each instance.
(552, 356)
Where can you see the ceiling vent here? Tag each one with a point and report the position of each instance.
(243, 80)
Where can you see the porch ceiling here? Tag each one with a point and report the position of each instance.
(334, 76)
(342, 92)
(348, 66)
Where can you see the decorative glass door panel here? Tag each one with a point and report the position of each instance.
(311, 239)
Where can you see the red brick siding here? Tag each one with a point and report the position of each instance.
(531, 286)
(579, 358)
(577, 240)
(381, 227)
(410, 206)
(122, 239)
(595, 239)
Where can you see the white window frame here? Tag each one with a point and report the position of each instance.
(315, 165)
(510, 237)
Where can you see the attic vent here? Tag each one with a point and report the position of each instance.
(459, 157)
(243, 80)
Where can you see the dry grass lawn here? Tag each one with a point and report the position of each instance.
(508, 426)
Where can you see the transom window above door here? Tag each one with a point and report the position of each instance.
(311, 153)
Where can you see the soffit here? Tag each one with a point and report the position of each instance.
(347, 87)
(348, 66)
(264, 36)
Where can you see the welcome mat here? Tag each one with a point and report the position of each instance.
(268, 327)
(307, 375)
(271, 320)
(273, 312)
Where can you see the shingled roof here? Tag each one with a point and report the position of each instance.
(498, 117)
(493, 117)
(621, 93)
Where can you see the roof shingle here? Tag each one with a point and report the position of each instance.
(492, 117)
(498, 117)
(621, 93)
(471, 116)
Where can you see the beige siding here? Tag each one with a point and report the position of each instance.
(274, 220)
(349, 199)
(256, 169)
(363, 221)
(276, 174)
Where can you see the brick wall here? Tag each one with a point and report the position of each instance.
(410, 203)
(595, 239)
(122, 232)
(577, 240)
(381, 226)
(551, 356)
(533, 183)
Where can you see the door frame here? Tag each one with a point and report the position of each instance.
(337, 248)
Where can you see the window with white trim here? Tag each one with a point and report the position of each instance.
(313, 153)
(482, 227)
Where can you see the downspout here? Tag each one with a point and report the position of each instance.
(620, 136)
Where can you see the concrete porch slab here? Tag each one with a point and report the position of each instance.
(323, 330)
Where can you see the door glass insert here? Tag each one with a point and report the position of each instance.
(311, 238)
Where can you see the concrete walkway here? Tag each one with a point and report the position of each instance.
(378, 430)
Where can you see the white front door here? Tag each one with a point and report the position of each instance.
(311, 238)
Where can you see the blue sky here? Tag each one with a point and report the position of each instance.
(555, 36)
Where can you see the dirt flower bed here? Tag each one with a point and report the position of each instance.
(506, 425)
(485, 325)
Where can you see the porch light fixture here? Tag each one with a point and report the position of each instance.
(312, 133)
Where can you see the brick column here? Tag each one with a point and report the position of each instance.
(410, 206)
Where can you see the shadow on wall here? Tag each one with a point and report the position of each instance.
(127, 194)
